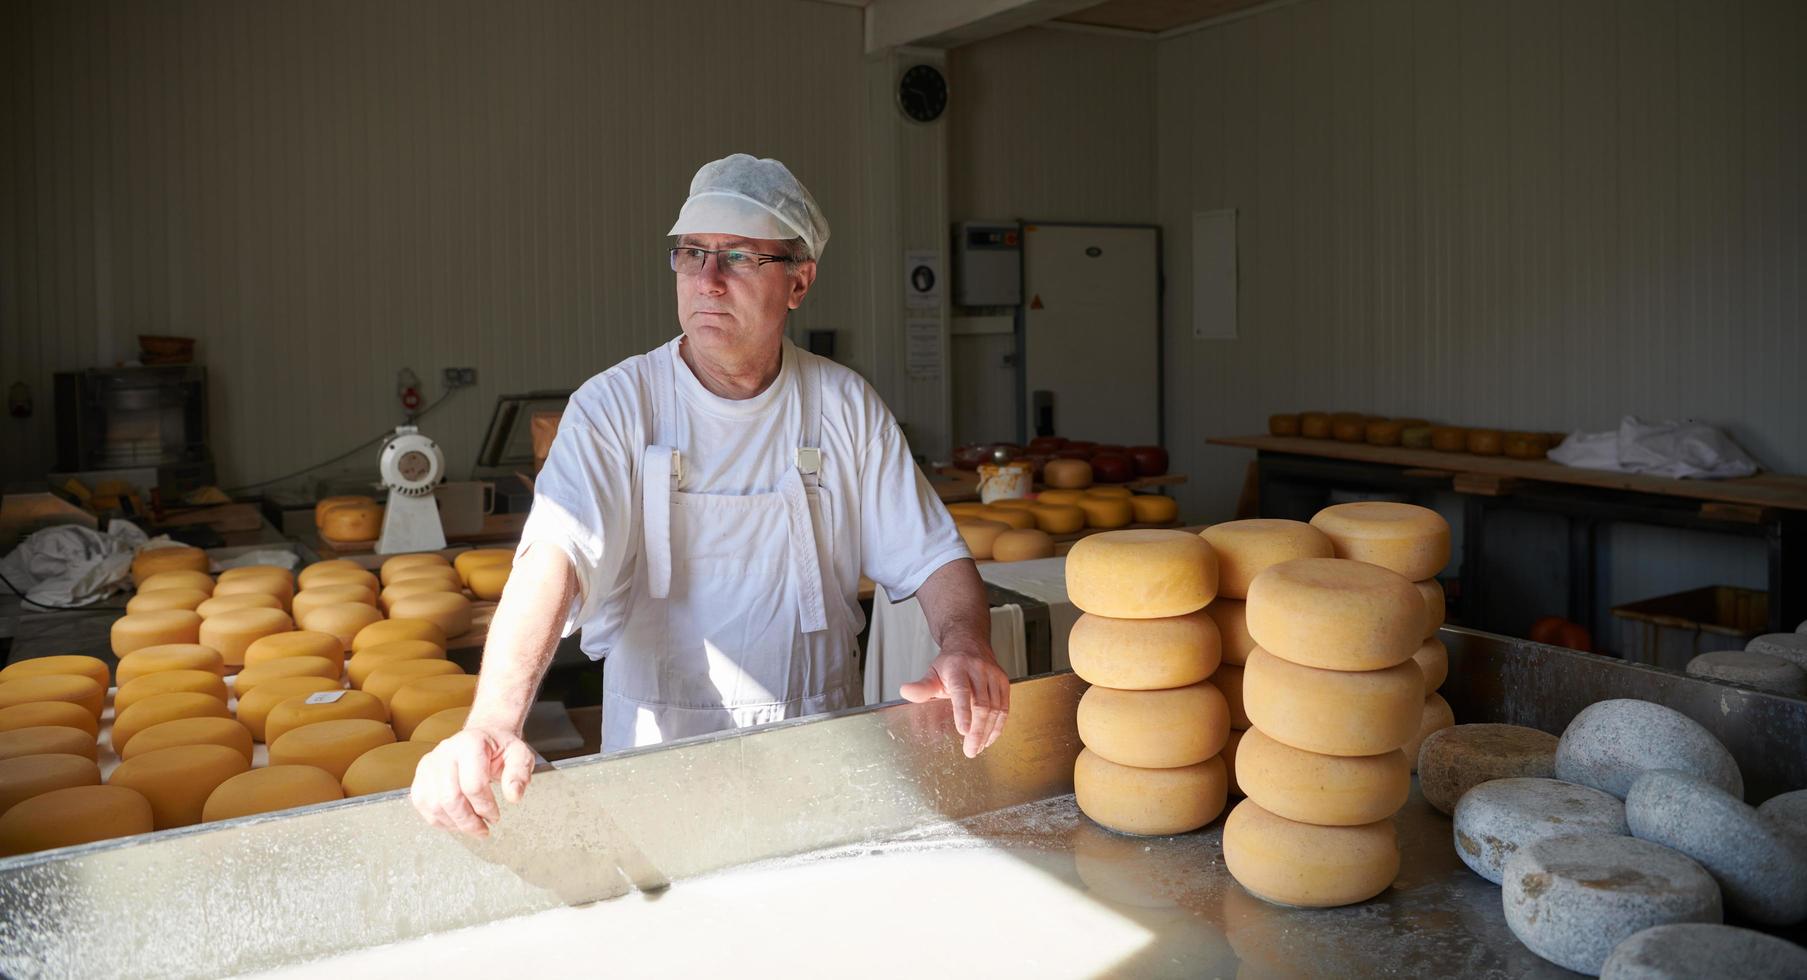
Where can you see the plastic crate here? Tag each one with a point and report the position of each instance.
(1673, 629)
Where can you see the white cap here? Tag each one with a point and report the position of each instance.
(743, 195)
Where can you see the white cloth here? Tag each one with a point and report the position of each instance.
(1682, 450)
(1044, 579)
(900, 646)
(71, 565)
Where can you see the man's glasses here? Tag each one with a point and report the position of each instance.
(688, 260)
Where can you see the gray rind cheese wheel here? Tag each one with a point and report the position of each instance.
(1572, 899)
(1788, 810)
(1761, 868)
(1611, 743)
(1497, 819)
(1697, 949)
(1791, 647)
(1455, 760)
(1751, 669)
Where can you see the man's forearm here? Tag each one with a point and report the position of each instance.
(953, 601)
(522, 637)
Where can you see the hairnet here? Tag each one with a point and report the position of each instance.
(744, 195)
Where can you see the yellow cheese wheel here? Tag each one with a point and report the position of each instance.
(280, 587)
(395, 673)
(449, 611)
(270, 789)
(412, 587)
(308, 600)
(1070, 497)
(1436, 716)
(175, 558)
(329, 745)
(76, 815)
(1336, 614)
(421, 699)
(1328, 790)
(159, 708)
(366, 662)
(443, 574)
(967, 508)
(1022, 545)
(163, 599)
(465, 561)
(352, 522)
(1067, 474)
(251, 678)
(296, 643)
(487, 581)
(392, 630)
(979, 535)
(172, 656)
(72, 688)
(341, 619)
(384, 768)
(1144, 654)
(1434, 611)
(191, 731)
(1405, 538)
(1231, 617)
(1228, 679)
(322, 506)
(254, 708)
(231, 603)
(1307, 866)
(1150, 802)
(1155, 729)
(231, 633)
(245, 572)
(1433, 659)
(1013, 503)
(1335, 712)
(395, 565)
(1020, 519)
(1152, 508)
(314, 574)
(1245, 549)
(26, 776)
(1141, 574)
(33, 714)
(1059, 518)
(324, 706)
(178, 780)
(93, 668)
(1107, 512)
(352, 575)
(197, 581)
(1120, 493)
(135, 631)
(440, 725)
(168, 682)
(46, 740)
(1228, 755)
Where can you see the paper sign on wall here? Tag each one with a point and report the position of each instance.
(922, 348)
(922, 279)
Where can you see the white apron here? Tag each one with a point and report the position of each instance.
(727, 624)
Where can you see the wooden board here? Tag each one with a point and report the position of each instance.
(970, 480)
(1784, 491)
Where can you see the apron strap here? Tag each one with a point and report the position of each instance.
(809, 447)
(811, 612)
(660, 467)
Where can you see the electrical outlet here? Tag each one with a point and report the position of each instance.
(460, 377)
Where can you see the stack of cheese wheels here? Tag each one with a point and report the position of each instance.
(1413, 541)
(1333, 697)
(1153, 724)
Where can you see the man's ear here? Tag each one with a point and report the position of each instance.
(803, 275)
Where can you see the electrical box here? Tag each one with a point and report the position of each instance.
(988, 264)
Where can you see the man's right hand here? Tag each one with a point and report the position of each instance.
(451, 785)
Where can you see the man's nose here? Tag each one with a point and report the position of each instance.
(709, 279)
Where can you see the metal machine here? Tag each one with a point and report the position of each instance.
(412, 465)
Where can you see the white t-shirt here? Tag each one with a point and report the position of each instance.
(888, 523)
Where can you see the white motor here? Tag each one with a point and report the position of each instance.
(412, 466)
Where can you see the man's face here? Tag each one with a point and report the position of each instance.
(739, 312)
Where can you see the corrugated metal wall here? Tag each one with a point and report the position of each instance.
(325, 192)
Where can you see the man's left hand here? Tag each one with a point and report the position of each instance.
(971, 678)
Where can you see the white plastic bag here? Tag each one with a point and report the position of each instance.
(1683, 450)
(71, 565)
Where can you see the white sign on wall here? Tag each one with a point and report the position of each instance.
(922, 279)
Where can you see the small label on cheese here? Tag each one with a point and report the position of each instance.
(324, 697)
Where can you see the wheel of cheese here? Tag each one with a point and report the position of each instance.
(1155, 729)
(1486, 442)
(337, 578)
(191, 731)
(1435, 716)
(443, 574)
(296, 643)
(1229, 680)
(27, 776)
(241, 573)
(1334, 712)
(171, 656)
(412, 587)
(162, 599)
(384, 768)
(480, 557)
(1144, 654)
(1455, 760)
(449, 611)
(1304, 865)
(168, 682)
(1336, 614)
(1760, 865)
(967, 508)
(330, 745)
(308, 600)
(33, 714)
(270, 789)
(1152, 508)
(370, 659)
(159, 708)
(979, 535)
(1107, 512)
(175, 558)
(250, 678)
(47, 740)
(280, 589)
(1059, 518)
(1327, 790)
(316, 573)
(1068, 497)
(1348, 429)
(487, 581)
(1314, 425)
(1245, 549)
(136, 631)
(393, 674)
(93, 668)
(352, 522)
(184, 579)
(1116, 493)
(1067, 474)
(1433, 659)
(232, 603)
(76, 815)
(425, 697)
(440, 725)
(1231, 617)
(1017, 519)
(328, 503)
(341, 619)
(232, 632)
(1141, 574)
(393, 630)
(1149, 802)
(1613, 742)
(1228, 755)
(1432, 590)
(324, 706)
(1685, 951)
(177, 781)
(73, 688)
(394, 565)
(254, 708)
(1282, 425)
(1405, 538)
(1022, 545)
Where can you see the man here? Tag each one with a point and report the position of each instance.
(705, 514)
